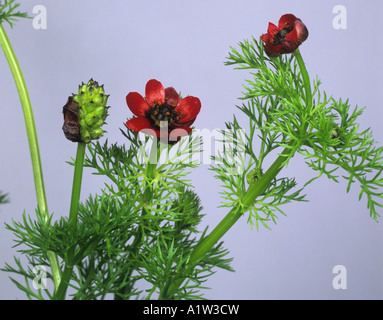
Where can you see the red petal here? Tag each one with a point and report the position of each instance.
(301, 30)
(138, 123)
(137, 104)
(289, 46)
(272, 29)
(270, 49)
(299, 33)
(188, 108)
(185, 124)
(142, 124)
(273, 51)
(291, 36)
(155, 92)
(287, 20)
(171, 96)
(267, 38)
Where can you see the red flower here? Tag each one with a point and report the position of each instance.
(285, 38)
(162, 113)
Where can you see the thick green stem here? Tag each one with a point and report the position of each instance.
(33, 142)
(66, 276)
(248, 199)
(255, 190)
(73, 219)
(232, 217)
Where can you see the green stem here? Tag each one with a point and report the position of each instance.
(76, 187)
(33, 143)
(231, 218)
(255, 190)
(306, 79)
(66, 276)
(154, 156)
(248, 199)
(73, 220)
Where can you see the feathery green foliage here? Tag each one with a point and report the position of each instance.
(141, 226)
(8, 12)
(282, 114)
(3, 197)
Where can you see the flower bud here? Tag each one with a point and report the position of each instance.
(334, 133)
(85, 113)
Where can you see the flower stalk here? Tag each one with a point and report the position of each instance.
(32, 140)
(306, 80)
(84, 115)
(76, 187)
(73, 218)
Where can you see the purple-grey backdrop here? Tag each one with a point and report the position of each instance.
(184, 44)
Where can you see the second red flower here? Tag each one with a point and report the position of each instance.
(285, 38)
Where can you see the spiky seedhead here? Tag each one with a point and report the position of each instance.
(85, 113)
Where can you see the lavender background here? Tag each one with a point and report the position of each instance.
(184, 44)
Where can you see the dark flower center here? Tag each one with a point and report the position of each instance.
(281, 35)
(164, 115)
